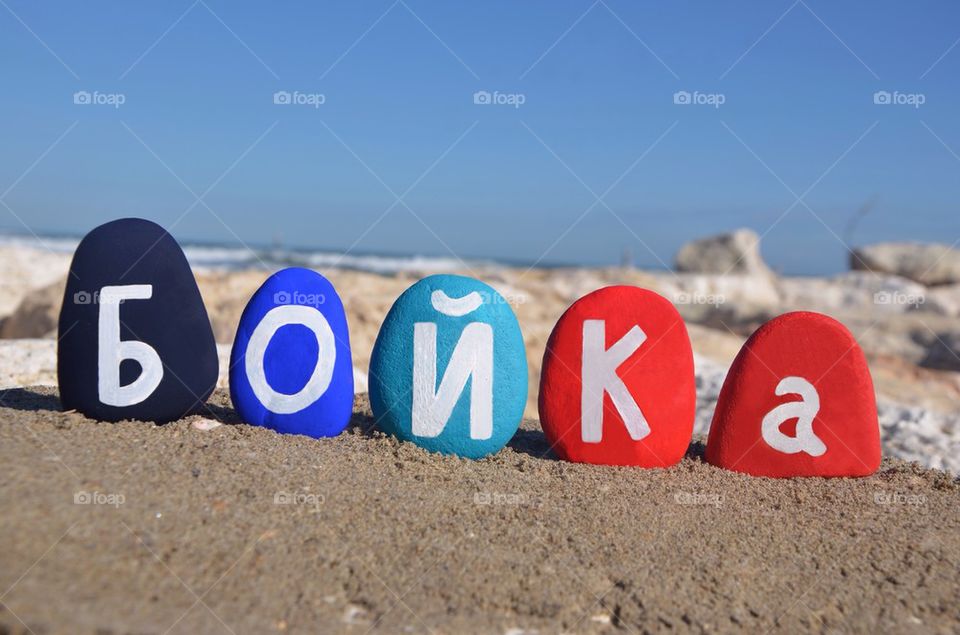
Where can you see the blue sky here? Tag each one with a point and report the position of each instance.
(597, 159)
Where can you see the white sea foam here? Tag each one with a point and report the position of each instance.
(233, 258)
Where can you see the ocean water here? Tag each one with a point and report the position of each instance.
(236, 257)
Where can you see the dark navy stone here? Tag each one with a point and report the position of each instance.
(290, 367)
(448, 371)
(134, 338)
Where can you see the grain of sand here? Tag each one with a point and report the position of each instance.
(186, 531)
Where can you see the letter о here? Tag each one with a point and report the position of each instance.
(290, 367)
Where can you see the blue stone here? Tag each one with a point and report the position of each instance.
(448, 370)
(290, 367)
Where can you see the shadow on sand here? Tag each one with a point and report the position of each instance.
(26, 399)
(534, 443)
(530, 442)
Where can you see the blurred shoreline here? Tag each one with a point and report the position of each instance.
(234, 257)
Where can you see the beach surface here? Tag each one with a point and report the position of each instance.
(208, 525)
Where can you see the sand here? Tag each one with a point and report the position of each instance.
(185, 530)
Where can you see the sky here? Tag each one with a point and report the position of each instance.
(550, 132)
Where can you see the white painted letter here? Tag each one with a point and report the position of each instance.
(472, 357)
(598, 375)
(319, 381)
(803, 411)
(111, 350)
(455, 307)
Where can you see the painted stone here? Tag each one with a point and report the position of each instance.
(797, 401)
(290, 366)
(135, 341)
(617, 385)
(448, 370)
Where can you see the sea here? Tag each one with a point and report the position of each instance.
(236, 257)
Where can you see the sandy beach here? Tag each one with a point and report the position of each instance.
(131, 527)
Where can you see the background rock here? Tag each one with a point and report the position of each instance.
(927, 264)
(942, 349)
(37, 313)
(853, 291)
(23, 269)
(944, 299)
(736, 252)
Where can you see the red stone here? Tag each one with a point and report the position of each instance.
(637, 346)
(842, 438)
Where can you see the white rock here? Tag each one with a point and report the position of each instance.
(709, 380)
(26, 264)
(929, 264)
(359, 381)
(205, 425)
(736, 252)
(944, 300)
(718, 290)
(37, 314)
(354, 614)
(852, 291)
